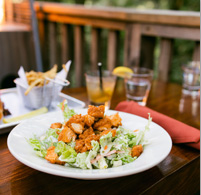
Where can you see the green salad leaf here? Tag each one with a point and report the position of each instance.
(67, 112)
(38, 146)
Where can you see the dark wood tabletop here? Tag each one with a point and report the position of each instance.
(179, 173)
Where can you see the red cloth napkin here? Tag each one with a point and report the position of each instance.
(178, 131)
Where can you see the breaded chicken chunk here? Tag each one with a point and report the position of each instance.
(77, 118)
(89, 120)
(76, 123)
(89, 139)
(84, 142)
(52, 156)
(87, 133)
(77, 127)
(83, 145)
(56, 125)
(79, 146)
(67, 135)
(97, 112)
(113, 131)
(115, 119)
(103, 124)
(136, 150)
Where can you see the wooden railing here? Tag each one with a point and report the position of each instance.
(62, 29)
(17, 12)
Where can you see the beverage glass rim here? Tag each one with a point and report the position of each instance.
(149, 72)
(95, 73)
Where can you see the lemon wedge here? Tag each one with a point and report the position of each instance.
(122, 71)
(26, 116)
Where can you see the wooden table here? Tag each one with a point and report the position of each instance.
(179, 173)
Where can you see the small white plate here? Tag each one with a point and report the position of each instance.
(156, 151)
(14, 104)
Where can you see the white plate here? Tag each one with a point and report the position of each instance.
(159, 147)
(14, 104)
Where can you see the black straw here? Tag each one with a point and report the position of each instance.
(100, 75)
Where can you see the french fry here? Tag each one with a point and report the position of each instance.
(64, 67)
(51, 73)
(32, 85)
(38, 78)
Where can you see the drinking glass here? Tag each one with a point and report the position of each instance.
(100, 94)
(191, 77)
(138, 85)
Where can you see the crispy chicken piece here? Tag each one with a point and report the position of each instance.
(77, 127)
(79, 145)
(87, 133)
(83, 145)
(113, 131)
(77, 118)
(88, 143)
(89, 120)
(97, 112)
(52, 156)
(84, 149)
(76, 123)
(84, 142)
(115, 119)
(103, 124)
(89, 139)
(67, 135)
(56, 125)
(1, 109)
(136, 150)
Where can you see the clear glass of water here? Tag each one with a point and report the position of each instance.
(138, 85)
(191, 77)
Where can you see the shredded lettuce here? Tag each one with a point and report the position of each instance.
(50, 138)
(66, 153)
(61, 147)
(117, 163)
(71, 144)
(106, 143)
(140, 138)
(92, 153)
(38, 146)
(68, 156)
(67, 112)
(81, 160)
(102, 163)
(52, 132)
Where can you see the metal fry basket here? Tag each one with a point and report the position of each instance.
(41, 96)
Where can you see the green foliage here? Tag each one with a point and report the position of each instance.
(193, 5)
(182, 54)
